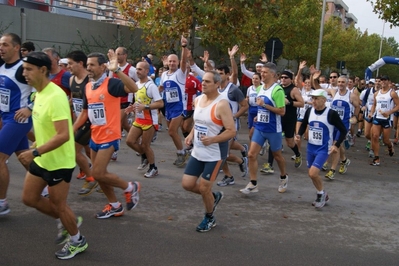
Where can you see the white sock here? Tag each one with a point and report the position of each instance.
(115, 204)
(320, 192)
(129, 187)
(76, 237)
(2, 201)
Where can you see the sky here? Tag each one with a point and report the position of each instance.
(368, 20)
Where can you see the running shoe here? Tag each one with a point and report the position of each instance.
(4, 208)
(63, 234)
(151, 172)
(206, 225)
(132, 198)
(298, 161)
(88, 188)
(244, 153)
(109, 211)
(368, 145)
(344, 166)
(371, 154)
(321, 200)
(181, 159)
(283, 184)
(330, 174)
(267, 169)
(244, 166)
(143, 165)
(114, 156)
(293, 157)
(71, 249)
(314, 202)
(226, 181)
(391, 150)
(250, 188)
(218, 197)
(155, 137)
(81, 175)
(325, 166)
(375, 162)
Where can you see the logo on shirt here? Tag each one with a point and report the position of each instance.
(316, 125)
(102, 97)
(2, 82)
(167, 84)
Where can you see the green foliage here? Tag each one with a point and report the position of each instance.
(387, 10)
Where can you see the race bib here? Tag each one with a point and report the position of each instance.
(340, 111)
(263, 116)
(5, 95)
(172, 95)
(315, 136)
(97, 114)
(199, 132)
(77, 105)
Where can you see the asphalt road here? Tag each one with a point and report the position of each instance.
(358, 227)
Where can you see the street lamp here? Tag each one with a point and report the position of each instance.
(320, 36)
(382, 38)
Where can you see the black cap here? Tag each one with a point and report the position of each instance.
(385, 77)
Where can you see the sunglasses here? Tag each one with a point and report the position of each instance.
(284, 77)
(24, 50)
(333, 77)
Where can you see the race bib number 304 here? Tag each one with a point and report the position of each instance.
(97, 114)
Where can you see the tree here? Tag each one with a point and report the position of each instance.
(221, 24)
(387, 10)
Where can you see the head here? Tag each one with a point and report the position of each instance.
(142, 69)
(342, 82)
(319, 98)
(211, 82)
(351, 82)
(207, 68)
(258, 67)
(334, 78)
(173, 62)
(322, 79)
(160, 71)
(256, 79)
(36, 68)
(224, 72)
(286, 78)
(10, 45)
(385, 82)
(96, 65)
(63, 63)
(54, 57)
(268, 72)
(307, 83)
(121, 54)
(378, 83)
(362, 83)
(26, 48)
(77, 62)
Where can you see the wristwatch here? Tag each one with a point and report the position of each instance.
(117, 70)
(147, 106)
(36, 153)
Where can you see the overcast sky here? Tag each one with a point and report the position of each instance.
(368, 20)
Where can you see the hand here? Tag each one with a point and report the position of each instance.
(113, 60)
(297, 137)
(188, 140)
(263, 58)
(22, 114)
(206, 140)
(302, 65)
(183, 41)
(316, 74)
(259, 101)
(26, 157)
(205, 58)
(233, 51)
(129, 109)
(243, 57)
(312, 70)
(333, 149)
(165, 60)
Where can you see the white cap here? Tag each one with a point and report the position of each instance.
(63, 61)
(319, 93)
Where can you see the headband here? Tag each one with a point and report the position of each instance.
(37, 62)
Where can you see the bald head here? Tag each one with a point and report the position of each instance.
(173, 62)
